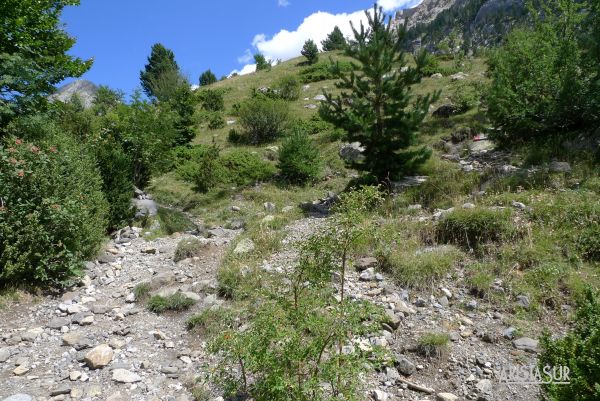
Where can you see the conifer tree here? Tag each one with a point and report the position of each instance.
(310, 51)
(376, 106)
(334, 41)
(161, 74)
(261, 62)
(207, 78)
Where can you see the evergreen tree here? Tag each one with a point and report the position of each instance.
(261, 62)
(334, 41)
(207, 78)
(310, 51)
(183, 103)
(161, 75)
(33, 54)
(376, 107)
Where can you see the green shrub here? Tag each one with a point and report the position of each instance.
(433, 344)
(48, 224)
(299, 159)
(235, 137)
(216, 121)
(177, 302)
(263, 119)
(323, 71)
(203, 167)
(589, 242)
(312, 126)
(470, 228)
(288, 87)
(246, 168)
(211, 99)
(188, 248)
(310, 51)
(427, 63)
(579, 350)
(211, 321)
(466, 96)
(141, 291)
(174, 221)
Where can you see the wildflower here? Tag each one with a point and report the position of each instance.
(18, 141)
(35, 149)
(21, 173)
(12, 160)
(52, 149)
(12, 150)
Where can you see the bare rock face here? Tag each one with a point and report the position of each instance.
(99, 357)
(84, 90)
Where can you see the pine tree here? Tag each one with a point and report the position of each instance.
(261, 62)
(376, 107)
(207, 78)
(310, 51)
(161, 75)
(335, 41)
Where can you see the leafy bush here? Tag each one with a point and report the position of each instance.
(312, 126)
(433, 344)
(299, 159)
(48, 224)
(174, 221)
(211, 99)
(589, 242)
(427, 63)
(188, 248)
(288, 87)
(211, 322)
(246, 168)
(466, 96)
(323, 71)
(262, 64)
(177, 302)
(579, 351)
(216, 121)
(470, 228)
(263, 120)
(203, 167)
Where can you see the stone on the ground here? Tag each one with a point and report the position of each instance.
(20, 370)
(19, 397)
(244, 246)
(560, 167)
(269, 206)
(484, 386)
(99, 356)
(58, 322)
(437, 75)
(446, 397)
(526, 344)
(392, 319)
(365, 263)
(4, 354)
(32, 334)
(352, 152)
(64, 389)
(405, 366)
(379, 395)
(125, 376)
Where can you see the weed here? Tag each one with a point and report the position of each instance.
(177, 302)
(188, 248)
(433, 345)
(141, 291)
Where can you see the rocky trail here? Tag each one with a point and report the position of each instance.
(96, 343)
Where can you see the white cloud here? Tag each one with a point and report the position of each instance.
(286, 44)
(247, 69)
(283, 3)
(246, 57)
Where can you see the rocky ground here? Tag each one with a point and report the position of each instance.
(96, 343)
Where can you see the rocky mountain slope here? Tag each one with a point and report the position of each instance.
(84, 90)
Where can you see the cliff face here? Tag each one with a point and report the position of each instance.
(465, 23)
(84, 90)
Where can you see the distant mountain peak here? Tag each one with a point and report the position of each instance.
(83, 89)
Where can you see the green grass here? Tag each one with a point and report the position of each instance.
(212, 321)
(141, 291)
(433, 345)
(176, 302)
(188, 248)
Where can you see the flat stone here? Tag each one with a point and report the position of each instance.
(446, 397)
(4, 354)
(392, 319)
(560, 167)
(58, 322)
(526, 344)
(32, 334)
(405, 366)
(99, 356)
(20, 370)
(365, 263)
(19, 397)
(244, 246)
(125, 376)
(64, 389)
(484, 386)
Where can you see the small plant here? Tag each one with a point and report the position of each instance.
(207, 78)
(578, 351)
(466, 96)
(244, 167)
(176, 302)
(188, 248)
(310, 51)
(433, 345)
(211, 322)
(211, 99)
(174, 221)
(216, 121)
(299, 159)
(263, 119)
(141, 291)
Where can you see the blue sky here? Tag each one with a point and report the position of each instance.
(218, 34)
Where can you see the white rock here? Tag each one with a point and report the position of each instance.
(125, 376)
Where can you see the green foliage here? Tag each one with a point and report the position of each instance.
(471, 228)
(216, 120)
(312, 126)
(543, 82)
(294, 341)
(188, 248)
(376, 107)
(176, 302)
(246, 168)
(211, 99)
(589, 242)
(33, 55)
(174, 221)
(48, 225)
(579, 350)
(334, 41)
(324, 71)
(183, 102)
(161, 74)
(141, 291)
(288, 87)
(299, 159)
(262, 64)
(433, 344)
(466, 96)
(427, 63)
(263, 119)
(310, 51)
(207, 78)
(211, 322)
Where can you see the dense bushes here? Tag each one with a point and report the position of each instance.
(323, 71)
(246, 168)
(299, 159)
(262, 119)
(288, 87)
(579, 351)
(49, 223)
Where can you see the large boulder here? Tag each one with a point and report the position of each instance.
(99, 357)
(352, 152)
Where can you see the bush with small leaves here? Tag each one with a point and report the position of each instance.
(299, 159)
(216, 121)
(246, 168)
(174, 221)
(433, 344)
(176, 302)
(263, 119)
(188, 248)
(288, 87)
(211, 99)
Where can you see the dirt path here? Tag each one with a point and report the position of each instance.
(43, 346)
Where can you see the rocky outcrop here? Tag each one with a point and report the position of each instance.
(84, 90)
